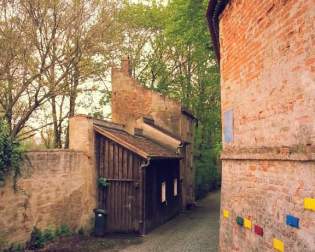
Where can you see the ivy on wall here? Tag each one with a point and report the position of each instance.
(11, 154)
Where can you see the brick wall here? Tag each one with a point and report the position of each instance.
(267, 79)
(265, 192)
(131, 101)
(268, 71)
(55, 189)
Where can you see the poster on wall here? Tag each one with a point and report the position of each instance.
(228, 124)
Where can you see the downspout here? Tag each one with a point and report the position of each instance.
(178, 151)
(142, 170)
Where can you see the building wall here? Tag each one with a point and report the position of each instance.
(265, 191)
(55, 189)
(268, 71)
(131, 101)
(158, 212)
(187, 128)
(268, 100)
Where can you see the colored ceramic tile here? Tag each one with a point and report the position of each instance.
(259, 230)
(278, 245)
(247, 223)
(226, 214)
(239, 220)
(292, 221)
(309, 204)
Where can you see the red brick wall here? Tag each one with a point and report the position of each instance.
(268, 81)
(265, 192)
(268, 71)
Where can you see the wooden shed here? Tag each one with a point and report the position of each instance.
(144, 180)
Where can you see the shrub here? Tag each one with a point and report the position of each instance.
(81, 231)
(37, 239)
(49, 235)
(103, 182)
(3, 242)
(63, 230)
(15, 248)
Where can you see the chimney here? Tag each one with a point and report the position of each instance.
(125, 65)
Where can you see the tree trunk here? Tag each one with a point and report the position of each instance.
(57, 129)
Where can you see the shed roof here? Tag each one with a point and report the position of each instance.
(140, 145)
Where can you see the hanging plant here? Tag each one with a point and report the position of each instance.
(103, 182)
(11, 154)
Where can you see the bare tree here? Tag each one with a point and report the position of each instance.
(28, 36)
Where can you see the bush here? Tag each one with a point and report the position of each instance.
(15, 248)
(40, 238)
(81, 231)
(49, 235)
(11, 153)
(63, 230)
(37, 239)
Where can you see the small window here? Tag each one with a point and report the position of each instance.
(163, 192)
(175, 187)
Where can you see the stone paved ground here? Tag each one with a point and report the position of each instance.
(192, 231)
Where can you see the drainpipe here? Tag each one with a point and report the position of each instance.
(179, 150)
(143, 172)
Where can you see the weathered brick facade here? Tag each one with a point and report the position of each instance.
(131, 101)
(267, 51)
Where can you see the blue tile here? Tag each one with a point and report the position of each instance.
(239, 220)
(293, 221)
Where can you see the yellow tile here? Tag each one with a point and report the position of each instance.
(278, 245)
(226, 213)
(309, 204)
(247, 223)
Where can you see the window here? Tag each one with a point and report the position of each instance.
(163, 192)
(175, 187)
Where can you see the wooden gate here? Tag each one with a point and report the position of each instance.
(120, 198)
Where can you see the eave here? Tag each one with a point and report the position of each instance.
(215, 8)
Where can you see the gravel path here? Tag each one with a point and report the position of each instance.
(191, 231)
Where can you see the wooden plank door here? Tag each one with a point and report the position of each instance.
(121, 205)
(121, 197)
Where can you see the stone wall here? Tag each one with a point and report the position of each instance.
(55, 189)
(268, 100)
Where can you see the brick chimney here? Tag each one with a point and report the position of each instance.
(125, 65)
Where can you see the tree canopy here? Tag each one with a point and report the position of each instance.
(54, 52)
